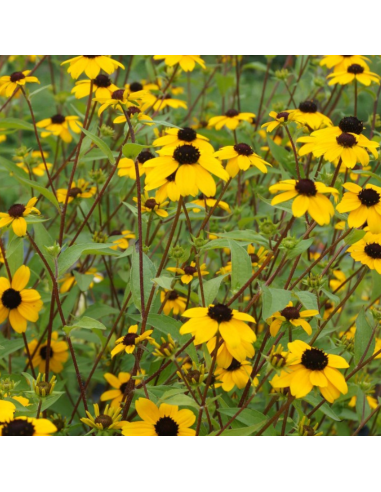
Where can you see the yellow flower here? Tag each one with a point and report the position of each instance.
(241, 157)
(368, 251)
(209, 202)
(293, 316)
(59, 125)
(189, 272)
(16, 214)
(186, 62)
(185, 136)
(58, 354)
(122, 243)
(7, 410)
(69, 280)
(19, 304)
(102, 86)
(174, 303)
(225, 358)
(257, 256)
(153, 205)
(279, 119)
(129, 342)
(341, 62)
(9, 83)
(25, 426)
(308, 197)
(308, 115)
(79, 189)
(356, 71)
(373, 403)
(119, 385)
(110, 419)
(120, 98)
(237, 374)
(231, 119)
(91, 65)
(166, 421)
(127, 166)
(309, 367)
(133, 111)
(167, 101)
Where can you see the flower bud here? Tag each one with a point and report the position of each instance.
(53, 251)
(106, 131)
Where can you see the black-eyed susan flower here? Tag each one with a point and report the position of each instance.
(186, 62)
(257, 255)
(355, 72)
(79, 189)
(134, 111)
(109, 420)
(193, 168)
(189, 272)
(364, 205)
(122, 242)
(368, 251)
(174, 137)
(119, 99)
(174, 303)
(206, 323)
(241, 157)
(60, 126)
(309, 367)
(236, 375)
(341, 62)
(27, 427)
(203, 202)
(141, 86)
(31, 163)
(91, 65)
(231, 119)
(102, 86)
(167, 101)
(126, 167)
(7, 410)
(278, 120)
(9, 83)
(17, 303)
(59, 354)
(291, 315)
(129, 342)
(68, 281)
(163, 421)
(308, 197)
(119, 385)
(16, 214)
(307, 114)
(153, 205)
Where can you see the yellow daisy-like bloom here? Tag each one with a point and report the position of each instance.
(309, 367)
(25, 426)
(59, 354)
(174, 303)
(129, 342)
(174, 137)
(205, 323)
(189, 272)
(102, 86)
(133, 111)
(368, 251)
(308, 115)
(231, 119)
(204, 202)
(186, 62)
(257, 256)
(153, 205)
(165, 421)
(38, 170)
(352, 73)
(16, 214)
(364, 205)
(241, 157)
(141, 86)
(119, 384)
(110, 419)
(59, 126)
(122, 242)
(225, 358)
(338, 281)
(193, 169)
(7, 410)
(293, 316)
(279, 119)
(237, 374)
(372, 402)
(9, 83)
(120, 98)
(18, 303)
(341, 62)
(308, 197)
(91, 65)
(167, 101)
(69, 280)
(79, 189)
(126, 167)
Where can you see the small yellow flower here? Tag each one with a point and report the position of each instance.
(16, 214)
(9, 83)
(25, 426)
(119, 385)
(240, 158)
(79, 189)
(129, 342)
(91, 65)
(174, 303)
(69, 280)
(186, 62)
(189, 272)
(126, 167)
(59, 354)
(231, 119)
(153, 205)
(110, 419)
(60, 126)
(102, 86)
(293, 316)
(236, 375)
(122, 243)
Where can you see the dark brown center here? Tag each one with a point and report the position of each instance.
(369, 197)
(220, 313)
(187, 154)
(11, 299)
(187, 134)
(315, 360)
(243, 149)
(306, 187)
(16, 211)
(16, 76)
(346, 140)
(290, 313)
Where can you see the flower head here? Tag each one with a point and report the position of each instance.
(355, 72)
(189, 273)
(185, 136)
(9, 83)
(16, 214)
(58, 354)
(91, 65)
(126, 167)
(293, 316)
(241, 157)
(60, 126)
(129, 342)
(102, 86)
(122, 242)
(173, 302)
(153, 205)
(25, 426)
(186, 62)
(119, 384)
(368, 251)
(231, 119)
(79, 189)
(307, 114)
(109, 420)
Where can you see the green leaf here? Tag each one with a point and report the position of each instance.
(132, 150)
(83, 281)
(331, 297)
(99, 311)
(162, 123)
(85, 323)
(260, 67)
(244, 431)
(326, 409)
(247, 417)
(364, 334)
(274, 300)
(8, 347)
(211, 289)
(224, 82)
(246, 236)
(16, 124)
(241, 266)
(149, 273)
(308, 300)
(354, 237)
(72, 254)
(281, 155)
(299, 249)
(182, 401)
(15, 253)
(101, 145)
(164, 282)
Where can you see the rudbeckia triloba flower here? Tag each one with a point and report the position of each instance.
(7, 410)
(231, 119)
(368, 251)
(69, 280)
(237, 374)
(308, 115)
(129, 342)
(354, 72)
(257, 256)
(309, 367)
(32, 163)
(184, 136)
(58, 354)
(193, 168)
(241, 157)
(279, 119)
(224, 357)
(59, 125)
(204, 202)
(134, 111)
(110, 419)
(189, 272)
(19, 304)
(341, 62)
(205, 323)
(119, 385)
(122, 242)
(364, 205)
(120, 98)
(91, 65)
(344, 142)
(175, 303)
(26, 427)
(79, 189)
(16, 214)
(9, 83)
(165, 421)
(153, 205)
(126, 167)
(291, 315)
(309, 198)
(186, 62)
(102, 86)
(167, 101)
